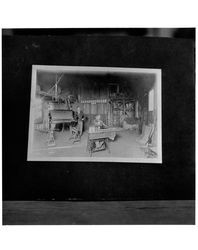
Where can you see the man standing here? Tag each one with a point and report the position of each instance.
(80, 118)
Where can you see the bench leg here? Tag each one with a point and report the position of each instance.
(107, 145)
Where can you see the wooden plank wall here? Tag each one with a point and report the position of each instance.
(94, 101)
(91, 110)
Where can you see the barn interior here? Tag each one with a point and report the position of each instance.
(126, 102)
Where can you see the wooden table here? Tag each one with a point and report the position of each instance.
(158, 212)
(99, 140)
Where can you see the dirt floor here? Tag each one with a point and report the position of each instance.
(125, 145)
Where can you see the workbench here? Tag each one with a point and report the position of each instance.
(99, 139)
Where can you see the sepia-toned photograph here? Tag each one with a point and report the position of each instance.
(95, 114)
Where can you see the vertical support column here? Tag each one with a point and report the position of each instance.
(56, 90)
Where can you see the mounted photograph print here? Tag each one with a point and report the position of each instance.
(80, 113)
(98, 127)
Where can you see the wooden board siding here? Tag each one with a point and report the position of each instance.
(91, 110)
(90, 92)
(98, 93)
